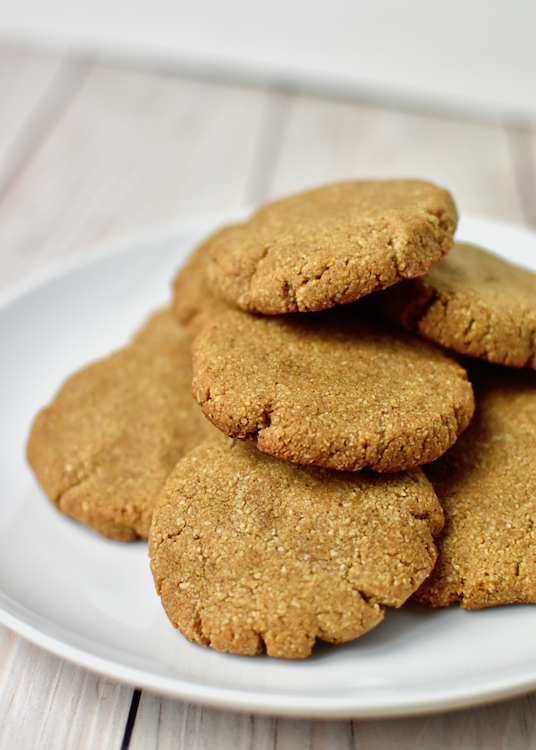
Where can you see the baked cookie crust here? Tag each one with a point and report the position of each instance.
(472, 302)
(331, 389)
(249, 552)
(487, 487)
(194, 302)
(331, 245)
(103, 449)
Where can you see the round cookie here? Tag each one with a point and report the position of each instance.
(105, 446)
(194, 302)
(331, 245)
(250, 552)
(330, 389)
(487, 487)
(472, 302)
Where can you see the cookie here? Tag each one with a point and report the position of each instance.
(487, 486)
(330, 389)
(105, 446)
(194, 302)
(249, 552)
(472, 302)
(332, 245)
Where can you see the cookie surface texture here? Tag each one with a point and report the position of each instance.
(194, 302)
(330, 389)
(487, 486)
(472, 302)
(249, 552)
(332, 245)
(105, 446)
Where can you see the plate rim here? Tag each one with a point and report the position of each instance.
(345, 704)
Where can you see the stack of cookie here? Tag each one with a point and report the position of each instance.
(306, 513)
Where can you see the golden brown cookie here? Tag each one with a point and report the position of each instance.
(105, 446)
(487, 486)
(332, 245)
(194, 303)
(251, 552)
(330, 389)
(472, 302)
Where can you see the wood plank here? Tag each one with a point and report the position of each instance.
(133, 149)
(165, 723)
(502, 726)
(329, 141)
(522, 142)
(298, 734)
(25, 81)
(46, 702)
(273, 130)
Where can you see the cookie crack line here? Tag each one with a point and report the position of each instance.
(442, 217)
(61, 495)
(394, 259)
(128, 528)
(86, 476)
(255, 270)
(531, 356)
(487, 335)
(421, 516)
(533, 347)
(289, 292)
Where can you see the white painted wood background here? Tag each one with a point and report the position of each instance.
(469, 54)
(89, 151)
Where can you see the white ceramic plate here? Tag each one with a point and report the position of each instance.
(92, 601)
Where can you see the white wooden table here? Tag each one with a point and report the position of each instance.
(89, 151)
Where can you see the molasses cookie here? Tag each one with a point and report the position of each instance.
(249, 552)
(332, 245)
(105, 446)
(194, 302)
(331, 389)
(472, 302)
(487, 486)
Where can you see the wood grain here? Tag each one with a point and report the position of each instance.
(46, 702)
(505, 726)
(131, 149)
(25, 82)
(164, 723)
